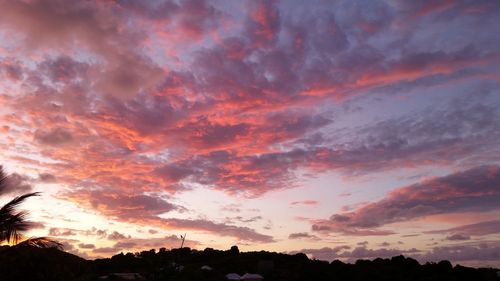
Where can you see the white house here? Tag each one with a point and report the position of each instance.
(233, 276)
(251, 277)
(207, 268)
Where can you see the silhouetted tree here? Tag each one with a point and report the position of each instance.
(234, 250)
(13, 222)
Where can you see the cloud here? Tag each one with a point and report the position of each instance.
(56, 136)
(457, 237)
(171, 241)
(472, 190)
(326, 227)
(119, 242)
(47, 178)
(93, 26)
(117, 236)
(262, 23)
(239, 232)
(139, 244)
(117, 204)
(325, 253)
(99, 233)
(86, 246)
(476, 229)
(63, 68)
(459, 253)
(412, 140)
(62, 231)
(345, 253)
(231, 173)
(391, 144)
(37, 225)
(17, 184)
(305, 202)
(53, 231)
(10, 70)
(363, 253)
(244, 220)
(234, 208)
(249, 98)
(106, 250)
(67, 246)
(126, 245)
(300, 235)
(190, 19)
(266, 98)
(144, 210)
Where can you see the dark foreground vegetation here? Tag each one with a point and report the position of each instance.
(27, 263)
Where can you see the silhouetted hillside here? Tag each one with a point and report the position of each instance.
(25, 263)
(29, 263)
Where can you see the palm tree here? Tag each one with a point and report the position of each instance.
(13, 222)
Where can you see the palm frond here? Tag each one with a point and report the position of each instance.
(12, 226)
(3, 180)
(14, 203)
(12, 223)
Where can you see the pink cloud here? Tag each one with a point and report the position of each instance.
(57, 136)
(457, 237)
(470, 190)
(220, 117)
(263, 22)
(92, 25)
(144, 210)
(15, 184)
(61, 232)
(305, 202)
(476, 229)
(301, 235)
(117, 236)
(86, 246)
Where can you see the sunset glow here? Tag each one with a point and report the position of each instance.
(341, 129)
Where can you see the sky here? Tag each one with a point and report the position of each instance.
(342, 129)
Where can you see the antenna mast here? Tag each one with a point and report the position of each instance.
(183, 238)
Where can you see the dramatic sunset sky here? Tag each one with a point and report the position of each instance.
(342, 129)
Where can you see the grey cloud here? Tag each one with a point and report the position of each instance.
(47, 178)
(16, 184)
(86, 246)
(56, 136)
(53, 231)
(473, 190)
(117, 236)
(458, 237)
(459, 253)
(476, 229)
(300, 235)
